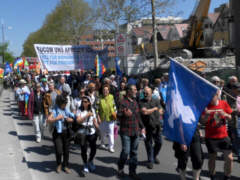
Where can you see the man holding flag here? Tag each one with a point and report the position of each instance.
(185, 102)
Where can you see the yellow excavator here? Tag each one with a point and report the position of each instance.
(192, 40)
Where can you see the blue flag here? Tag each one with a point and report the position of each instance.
(119, 72)
(7, 69)
(187, 96)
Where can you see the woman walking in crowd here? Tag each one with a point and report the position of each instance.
(38, 123)
(60, 116)
(21, 94)
(78, 100)
(107, 115)
(87, 120)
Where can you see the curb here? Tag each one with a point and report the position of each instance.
(12, 104)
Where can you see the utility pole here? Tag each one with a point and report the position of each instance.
(3, 40)
(154, 34)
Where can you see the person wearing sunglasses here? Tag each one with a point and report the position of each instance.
(86, 134)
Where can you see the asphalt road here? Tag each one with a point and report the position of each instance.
(40, 158)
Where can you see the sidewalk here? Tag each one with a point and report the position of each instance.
(12, 164)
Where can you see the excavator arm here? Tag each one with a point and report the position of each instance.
(196, 23)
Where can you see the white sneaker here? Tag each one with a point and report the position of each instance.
(103, 146)
(38, 140)
(85, 168)
(111, 150)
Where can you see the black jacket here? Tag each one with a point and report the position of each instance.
(38, 103)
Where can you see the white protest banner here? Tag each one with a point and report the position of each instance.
(67, 57)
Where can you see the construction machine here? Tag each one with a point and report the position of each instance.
(188, 45)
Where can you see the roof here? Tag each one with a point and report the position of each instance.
(214, 17)
(164, 30)
(87, 37)
(181, 28)
(142, 31)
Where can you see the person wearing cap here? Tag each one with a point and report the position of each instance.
(20, 93)
(38, 119)
(44, 85)
(87, 133)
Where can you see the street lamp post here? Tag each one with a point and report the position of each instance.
(3, 39)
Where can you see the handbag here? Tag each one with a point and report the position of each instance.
(114, 115)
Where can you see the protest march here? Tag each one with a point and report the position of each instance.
(84, 103)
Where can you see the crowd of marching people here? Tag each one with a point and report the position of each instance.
(80, 107)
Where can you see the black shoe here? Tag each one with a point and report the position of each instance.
(134, 176)
(227, 178)
(150, 165)
(156, 161)
(120, 173)
(213, 177)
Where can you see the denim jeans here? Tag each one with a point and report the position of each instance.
(38, 124)
(236, 142)
(129, 147)
(152, 151)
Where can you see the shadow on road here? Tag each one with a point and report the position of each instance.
(157, 176)
(44, 166)
(25, 124)
(105, 171)
(26, 137)
(108, 159)
(7, 113)
(42, 150)
(14, 133)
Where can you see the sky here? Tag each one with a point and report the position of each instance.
(22, 17)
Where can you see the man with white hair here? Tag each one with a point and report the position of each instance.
(113, 82)
(215, 80)
(62, 83)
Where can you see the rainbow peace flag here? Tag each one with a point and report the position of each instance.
(26, 97)
(1, 72)
(26, 65)
(18, 63)
(100, 68)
